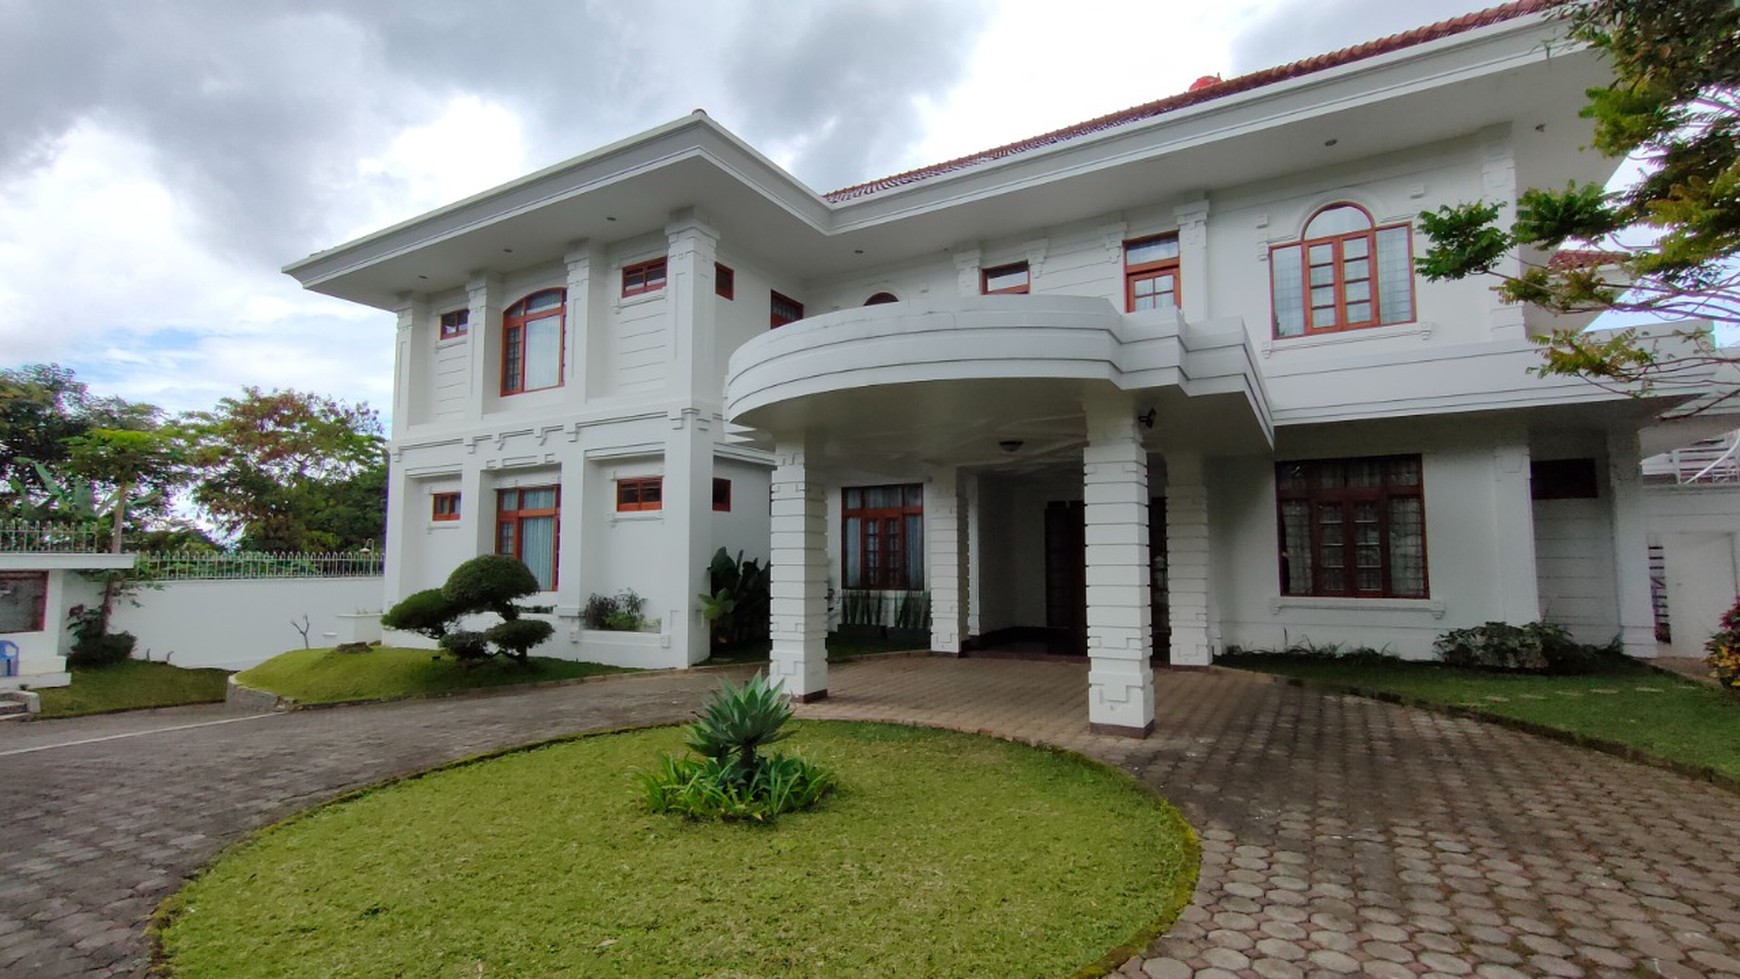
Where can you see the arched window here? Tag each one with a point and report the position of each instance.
(882, 298)
(1344, 273)
(531, 342)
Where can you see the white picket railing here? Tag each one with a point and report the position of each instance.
(51, 537)
(1714, 460)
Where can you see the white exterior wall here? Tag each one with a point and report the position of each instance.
(1698, 528)
(1012, 546)
(236, 624)
(1574, 567)
(1477, 568)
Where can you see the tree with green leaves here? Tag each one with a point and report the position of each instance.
(1665, 246)
(290, 471)
(42, 406)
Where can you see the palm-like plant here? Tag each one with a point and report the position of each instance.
(737, 723)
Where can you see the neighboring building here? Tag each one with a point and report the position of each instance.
(1163, 381)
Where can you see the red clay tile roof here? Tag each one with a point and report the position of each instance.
(1242, 83)
(1584, 258)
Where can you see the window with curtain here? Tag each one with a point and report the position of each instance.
(527, 526)
(1344, 273)
(1352, 527)
(531, 342)
(883, 537)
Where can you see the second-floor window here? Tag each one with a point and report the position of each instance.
(1151, 273)
(455, 323)
(724, 281)
(784, 309)
(643, 278)
(531, 342)
(1345, 273)
(1005, 279)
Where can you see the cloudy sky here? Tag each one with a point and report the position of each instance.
(160, 160)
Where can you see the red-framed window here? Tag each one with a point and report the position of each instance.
(784, 309)
(528, 526)
(724, 281)
(640, 493)
(721, 494)
(455, 323)
(883, 536)
(1012, 279)
(643, 277)
(444, 506)
(1151, 273)
(1352, 527)
(1345, 273)
(23, 601)
(531, 342)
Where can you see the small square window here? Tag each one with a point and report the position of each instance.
(1005, 279)
(456, 323)
(643, 278)
(785, 310)
(724, 281)
(444, 506)
(644, 493)
(23, 601)
(722, 495)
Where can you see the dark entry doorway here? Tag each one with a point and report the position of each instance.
(1066, 576)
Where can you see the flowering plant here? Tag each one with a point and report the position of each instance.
(1723, 650)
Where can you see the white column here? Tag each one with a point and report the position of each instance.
(1189, 581)
(1115, 493)
(969, 484)
(967, 270)
(412, 374)
(485, 307)
(585, 262)
(798, 578)
(1514, 573)
(692, 252)
(946, 561)
(1630, 544)
(1498, 185)
(1193, 260)
(401, 507)
(687, 517)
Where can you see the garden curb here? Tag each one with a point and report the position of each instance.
(1701, 773)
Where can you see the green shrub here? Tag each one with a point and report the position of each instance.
(427, 613)
(731, 779)
(737, 604)
(621, 612)
(466, 646)
(1541, 647)
(516, 637)
(490, 583)
(93, 645)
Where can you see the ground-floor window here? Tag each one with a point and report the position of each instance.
(527, 522)
(1353, 527)
(883, 536)
(23, 601)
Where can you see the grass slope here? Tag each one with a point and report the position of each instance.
(325, 676)
(1662, 715)
(941, 854)
(130, 685)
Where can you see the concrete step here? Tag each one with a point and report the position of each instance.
(14, 706)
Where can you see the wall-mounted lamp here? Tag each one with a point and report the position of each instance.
(1147, 418)
(1009, 445)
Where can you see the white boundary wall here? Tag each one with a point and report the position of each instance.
(235, 624)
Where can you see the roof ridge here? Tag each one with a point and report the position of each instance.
(1241, 83)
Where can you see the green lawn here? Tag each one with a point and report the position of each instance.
(1662, 715)
(130, 685)
(325, 676)
(939, 854)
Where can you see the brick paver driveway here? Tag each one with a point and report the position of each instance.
(1340, 835)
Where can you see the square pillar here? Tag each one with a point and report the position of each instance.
(1119, 616)
(798, 577)
(688, 529)
(1189, 579)
(1630, 545)
(946, 561)
(1514, 572)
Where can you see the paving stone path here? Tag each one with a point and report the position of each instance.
(1340, 836)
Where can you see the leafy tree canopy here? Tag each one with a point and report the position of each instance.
(1675, 103)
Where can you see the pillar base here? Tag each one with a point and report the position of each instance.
(811, 697)
(1121, 730)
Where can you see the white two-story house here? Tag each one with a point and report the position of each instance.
(1142, 388)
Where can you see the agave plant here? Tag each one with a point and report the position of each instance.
(737, 723)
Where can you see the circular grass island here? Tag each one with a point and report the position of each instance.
(939, 854)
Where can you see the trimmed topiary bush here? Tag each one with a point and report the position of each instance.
(490, 583)
(732, 780)
(482, 585)
(427, 613)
